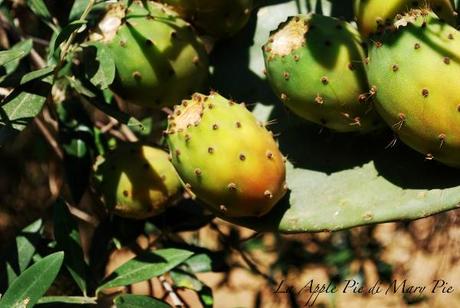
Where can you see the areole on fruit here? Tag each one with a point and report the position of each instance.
(225, 157)
(158, 57)
(315, 66)
(415, 67)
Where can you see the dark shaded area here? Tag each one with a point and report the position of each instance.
(78, 144)
(231, 75)
(185, 216)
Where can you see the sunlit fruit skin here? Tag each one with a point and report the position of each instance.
(373, 15)
(315, 65)
(136, 181)
(225, 157)
(159, 59)
(415, 69)
(218, 18)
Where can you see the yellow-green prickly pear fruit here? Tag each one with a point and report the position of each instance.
(414, 68)
(136, 181)
(225, 157)
(159, 59)
(218, 18)
(373, 15)
(314, 64)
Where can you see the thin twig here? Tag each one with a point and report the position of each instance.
(170, 291)
(104, 128)
(49, 138)
(252, 265)
(37, 59)
(130, 136)
(83, 215)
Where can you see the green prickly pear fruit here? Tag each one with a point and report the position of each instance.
(314, 64)
(159, 59)
(414, 69)
(218, 18)
(373, 15)
(225, 157)
(136, 181)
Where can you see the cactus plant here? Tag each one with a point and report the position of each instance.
(136, 181)
(225, 157)
(410, 67)
(373, 15)
(159, 59)
(219, 18)
(315, 65)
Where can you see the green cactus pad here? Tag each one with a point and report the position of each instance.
(315, 65)
(136, 181)
(373, 15)
(158, 57)
(415, 69)
(219, 18)
(225, 157)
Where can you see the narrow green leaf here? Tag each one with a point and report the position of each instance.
(145, 267)
(133, 122)
(66, 32)
(38, 74)
(21, 106)
(78, 300)
(67, 237)
(79, 87)
(52, 53)
(200, 263)
(105, 73)
(40, 9)
(19, 257)
(136, 301)
(183, 279)
(21, 49)
(26, 290)
(77, 9)
(10, 55)
(187, 280)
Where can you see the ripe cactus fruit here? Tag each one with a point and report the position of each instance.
(219, 18)
(159, 59)
(136, 181)
(373, 15)
(314, 64)
(414, 69)
(225, 157)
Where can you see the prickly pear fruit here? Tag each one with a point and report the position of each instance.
(225, 157)
(373, 15)
(218, 18)
(315, 66)
(136, 181)
(414, 69)
(159, 59)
